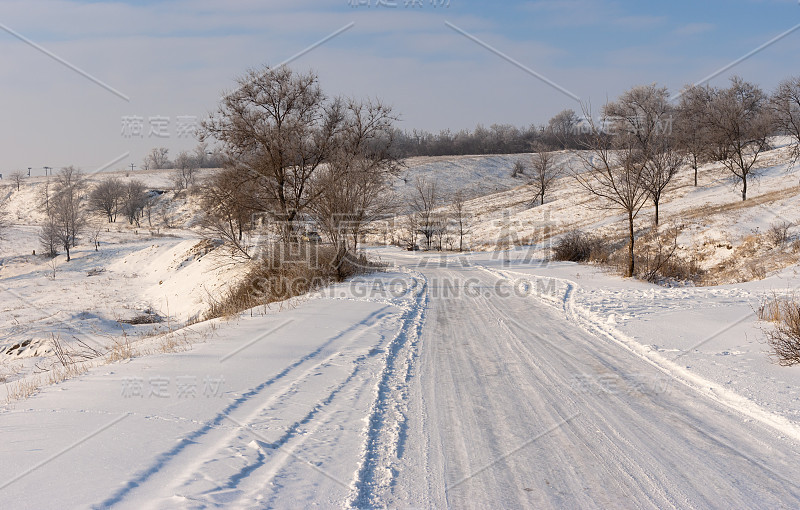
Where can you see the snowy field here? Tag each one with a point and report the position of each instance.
(487, 379)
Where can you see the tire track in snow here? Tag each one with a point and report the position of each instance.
(587, 320)
(387, 421)
(217, 424)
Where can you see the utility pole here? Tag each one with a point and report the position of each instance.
(29, 171)
(132, 165)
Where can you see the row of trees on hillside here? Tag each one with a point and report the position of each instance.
(643, 139)
(571, 130)
(201, 157)
(68, 202)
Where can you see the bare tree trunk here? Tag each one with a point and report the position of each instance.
(744, 188)
(630, 245)
(656, 204)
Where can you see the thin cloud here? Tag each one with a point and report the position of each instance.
(694, 29)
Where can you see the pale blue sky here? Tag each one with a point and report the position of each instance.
(173, 58)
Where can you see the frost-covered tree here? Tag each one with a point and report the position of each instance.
(545, 170)
(785, 104)
(185, 173)
(641, 120)
(66, 214)
(106, 197)
(739, 123)
(133, 201)
(613, 171)
(158, 158)
(16, 178)
(691, 132)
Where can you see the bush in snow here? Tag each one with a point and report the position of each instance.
(778, 233)
(577, 246)
(784, 339)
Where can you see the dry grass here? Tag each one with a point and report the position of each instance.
(68, 361)
(121, 350)
(773, 308)
(22, 389)
(174, 342)
(731, 209)
(275, 279)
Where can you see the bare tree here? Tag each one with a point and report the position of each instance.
(95, 229)
(409, 225)
(229, 199)
(354, 186)
(106, 197)
(44, 196)
(785, 103)
(186, 166)
(561, 130)
(460, 218)
(661, 167)
(740, 123)
(133, 201)
(157, 159)
(67, 217)
(690, 129)
(423, 205)
(278, 126)
(642, 120)
(48, 237)
(441, 222)
(17, 177)
(544, 171)
(614, 171)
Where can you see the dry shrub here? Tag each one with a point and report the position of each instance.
(755, 271)
(286, 272)
(778, 233)
(657, 261)
(578, 246)
(784, 339)
(147, 317)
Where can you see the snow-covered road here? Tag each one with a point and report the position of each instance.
(515, 406)
(438, 385)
